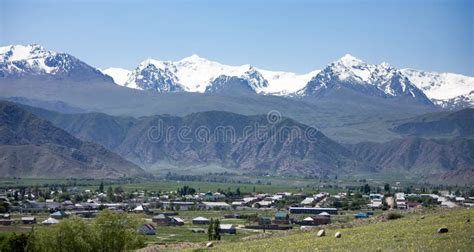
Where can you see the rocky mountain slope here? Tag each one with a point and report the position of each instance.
(249, 143)
(33, 147)
(424, 157)
(254, 151)
(457, 124)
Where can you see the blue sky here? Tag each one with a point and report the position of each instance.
(288, 35)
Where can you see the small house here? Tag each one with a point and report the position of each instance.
(201, 221)
(50, 221)
(312, 210)
(58, 215)
(263, 204)
(181, 205)
(161, 219)
(87, 213)
(28, 220)
(215, 205)
(321, 219)
(361, 215)
(308, 221)
(147, 229)
(67, 203)
(282, 217)
(175, 221)
(138, 209)
(413, 204)
(232, 216)
(227, 229)
(6, 222)
(5, 216)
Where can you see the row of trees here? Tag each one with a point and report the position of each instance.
(108, 232)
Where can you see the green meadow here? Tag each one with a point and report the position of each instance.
(410, 233)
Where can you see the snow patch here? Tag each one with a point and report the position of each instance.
(119, 75)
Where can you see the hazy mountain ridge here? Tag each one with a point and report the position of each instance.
(425, 157)
(33, 147)
(345, 116)
(457, 124)
(431, 158)
(130, 138)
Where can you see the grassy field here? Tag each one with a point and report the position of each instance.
(207, 186)
(164, 185)
(267, 184)
(410, 233)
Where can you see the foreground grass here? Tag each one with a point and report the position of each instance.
(410, 233)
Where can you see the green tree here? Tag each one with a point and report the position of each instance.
(217, 232)
(365, 189)
(14, 242)
(118, 190)
(210, 230)
(386, 188)
(457, 193)
(117, 232)
(69, 235)
(101, 186)
(4, 206)
(109, 232)
(110, 194)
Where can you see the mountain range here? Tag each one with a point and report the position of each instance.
(282, 147)
(196, 74)
(248, 143)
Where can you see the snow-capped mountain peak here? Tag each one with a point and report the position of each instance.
(349, 61)
(33, 59)
(22, 52)
(195, 74)
(385, 65)
(351, 73)
(194, 58)
(445, 89)
(119, 75)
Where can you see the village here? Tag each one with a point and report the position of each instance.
(186, 214)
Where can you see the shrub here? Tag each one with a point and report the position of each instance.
(108, 232)
(394, 216)
(13, 242)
